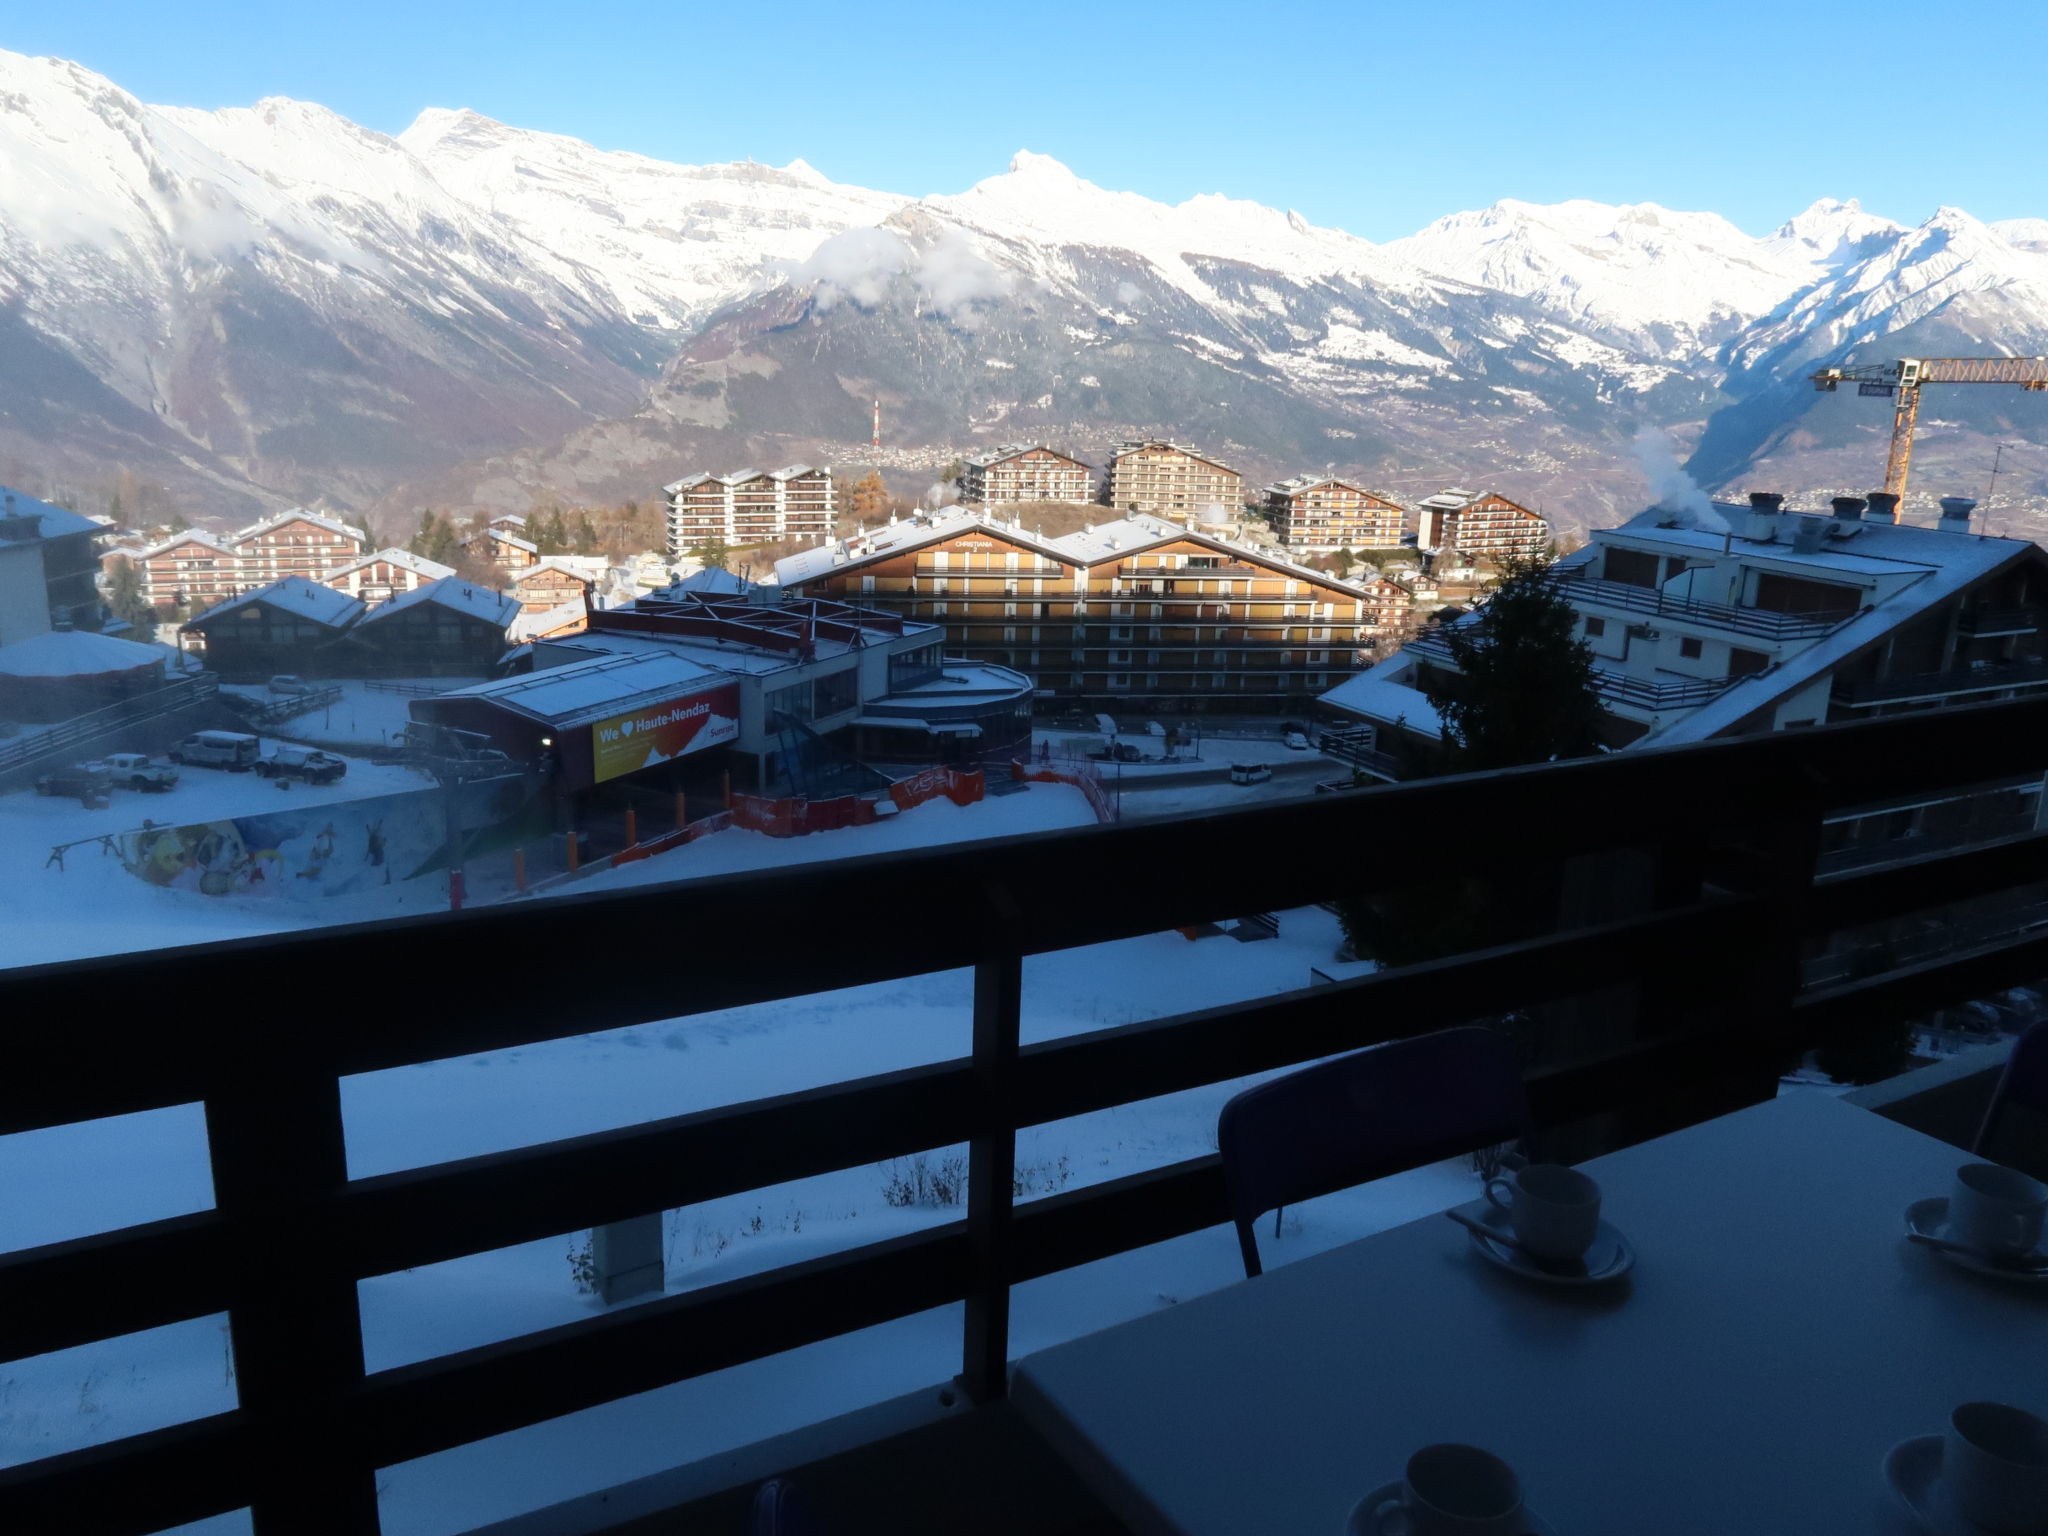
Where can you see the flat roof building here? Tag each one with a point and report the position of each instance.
(749, 507)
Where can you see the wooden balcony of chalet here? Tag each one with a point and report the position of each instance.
(1671, 896)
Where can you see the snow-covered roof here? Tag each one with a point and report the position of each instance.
(1295, 485)
(1140, 445)
(1938, 565)
(582, 567)
(908, 534)
(296, 515)
(55, 521)
(995, 456)
(75, 653)
(502, 536)
(583, 691)
(531, 626)
(740, 476)
(1390, 703)
(405, 560)
(296, 595)
(1451, 500)
(711, 579)
(467, 597)
(198, 536)
(1105, 541)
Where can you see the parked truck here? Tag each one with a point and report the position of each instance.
(138, 770)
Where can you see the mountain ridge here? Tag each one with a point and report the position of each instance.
(272, 303)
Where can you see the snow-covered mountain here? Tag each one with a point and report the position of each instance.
(272, 302)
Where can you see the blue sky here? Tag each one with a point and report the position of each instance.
(1372, 117)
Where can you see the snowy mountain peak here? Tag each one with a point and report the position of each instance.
(1026, 163)
(2023, 234)
(1832, 232)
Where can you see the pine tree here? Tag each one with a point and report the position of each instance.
(584, 535)
(125, 597)
(714, 553)
(178, 524)
(1524, 692)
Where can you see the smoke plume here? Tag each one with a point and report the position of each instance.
(1672, 490)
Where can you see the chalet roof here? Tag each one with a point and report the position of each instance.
(405, 560)
(1141, 444)
(1295, 485)
(55, 522)
(737, 476)
(297, 515)
(1387, 703)
(1105, 541)
(533, 626)
(502, 536)
(452, 592)
(297, 595)
(995, 456)
(198, 536)
(582, 567)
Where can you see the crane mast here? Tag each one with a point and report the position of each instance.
(1902, 381)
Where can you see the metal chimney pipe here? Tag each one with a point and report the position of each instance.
(1884, 507)
(1955, 513)
(1848, 509)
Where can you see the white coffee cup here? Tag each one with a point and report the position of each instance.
(1998, 1212)
(1994, 1463)
(1457, 1490)
(1554, 1210)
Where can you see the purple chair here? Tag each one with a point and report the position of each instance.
(1342, 1122)
(779, 1510)
(2024, 1081)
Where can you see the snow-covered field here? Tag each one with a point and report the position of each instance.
(147, 1166)
(363, 716)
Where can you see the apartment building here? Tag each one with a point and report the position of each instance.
(200, 567)
(1320, 514)
(1786, 620)
(1137, 614)
(1024, 472)
(380, 576)
(749, 507)
(1481, 525)
(1172, 481)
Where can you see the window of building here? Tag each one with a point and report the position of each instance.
(1119, 680)
(793, 700)
(1595, 627)
(1631, 567)
(867, 583)
(1741, 663)
(1689, 647)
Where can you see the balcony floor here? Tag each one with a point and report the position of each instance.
(984, 1471)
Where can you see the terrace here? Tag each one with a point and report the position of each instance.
(1672, 896)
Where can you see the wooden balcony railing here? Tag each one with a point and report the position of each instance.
(1708, 941)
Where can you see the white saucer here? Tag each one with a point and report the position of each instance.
(1929, 1218)
(1371, 1517)
(1913, 1468)
(1608, 1259)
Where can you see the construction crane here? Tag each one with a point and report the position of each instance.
(1903, 379)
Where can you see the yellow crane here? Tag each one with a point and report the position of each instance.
(1902, 380)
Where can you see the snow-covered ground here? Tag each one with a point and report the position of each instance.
(92, 906)
(147, 1166)
(363, 716)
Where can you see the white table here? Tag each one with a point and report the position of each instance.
(1777, 1336)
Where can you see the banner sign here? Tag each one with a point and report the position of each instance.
(656, 733)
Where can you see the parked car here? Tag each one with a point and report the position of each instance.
(88, 783)
(285, 683)
(1296, 741)
(308, 763)
(138, 770)
(231, 750)
(1249, 773)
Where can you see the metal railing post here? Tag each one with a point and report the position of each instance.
(991, 1177)
(278, 1159)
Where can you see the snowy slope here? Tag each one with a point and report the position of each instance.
(662, 244)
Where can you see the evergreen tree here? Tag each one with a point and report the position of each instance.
(715, 553)
(114, 509)
(584, 535)
(1523, 694)
(125, 597)
(178, 524)
(1524, 691)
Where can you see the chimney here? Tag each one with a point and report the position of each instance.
(1884, 507)
(1764, 511)
(1955, 513)
(1848, 509)
(1808, 534)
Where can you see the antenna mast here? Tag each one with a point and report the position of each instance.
(876, 441)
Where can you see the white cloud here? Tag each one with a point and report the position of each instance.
(857, 266)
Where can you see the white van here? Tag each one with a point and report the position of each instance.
(219, 749)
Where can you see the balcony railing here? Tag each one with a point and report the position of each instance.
(1761, 622)
(1998, 677)
(1726, 831)
(1622, 687)
(1982, 623)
